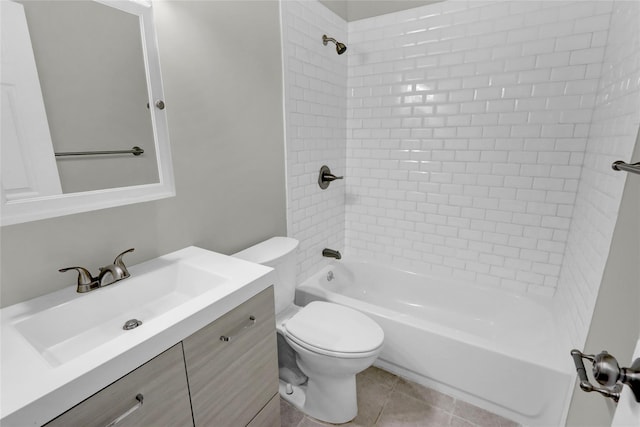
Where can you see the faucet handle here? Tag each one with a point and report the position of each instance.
(86, 282)
(119, 263)
(326, 177)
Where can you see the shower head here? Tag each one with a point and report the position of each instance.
(340, 47)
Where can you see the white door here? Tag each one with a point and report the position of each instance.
(27, 158)
(628, 411)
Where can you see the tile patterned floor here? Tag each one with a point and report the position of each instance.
(386, 400)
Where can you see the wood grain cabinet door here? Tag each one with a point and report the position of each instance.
(155, 394)
(231, 381)
(269, 416)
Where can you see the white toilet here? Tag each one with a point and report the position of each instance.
(332, 343)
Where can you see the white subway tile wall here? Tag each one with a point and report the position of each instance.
(467, 124)
(315, 80)
(616, 120)
(477, 138)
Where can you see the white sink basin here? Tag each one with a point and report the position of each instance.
(66, 331)
(58, 349)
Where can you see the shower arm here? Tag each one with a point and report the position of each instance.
(326, 40)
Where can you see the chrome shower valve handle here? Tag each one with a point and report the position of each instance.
(326, 177)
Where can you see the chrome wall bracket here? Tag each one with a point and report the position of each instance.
(607, 373)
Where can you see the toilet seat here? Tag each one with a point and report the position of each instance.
(330, 353)
(334, 330)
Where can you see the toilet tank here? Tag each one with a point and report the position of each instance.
(280, 254)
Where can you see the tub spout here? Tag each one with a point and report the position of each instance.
(330, 253)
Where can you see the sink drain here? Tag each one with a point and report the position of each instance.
(131, 324)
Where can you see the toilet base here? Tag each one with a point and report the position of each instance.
(296, 398)
(332, 399)
(329, 402)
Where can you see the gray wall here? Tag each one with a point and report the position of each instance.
(221, 65)
(616, 319)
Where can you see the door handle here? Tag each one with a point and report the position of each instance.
(607, 373)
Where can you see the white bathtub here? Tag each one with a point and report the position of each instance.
(497, 350)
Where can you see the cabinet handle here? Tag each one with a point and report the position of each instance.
(139, 398)
(240, 330)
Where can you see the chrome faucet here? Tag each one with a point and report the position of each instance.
(331, 253)
(114, 272)
(108, 274)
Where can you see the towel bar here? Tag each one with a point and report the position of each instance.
(136, 151)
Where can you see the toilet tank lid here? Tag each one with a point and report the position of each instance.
(269, 250)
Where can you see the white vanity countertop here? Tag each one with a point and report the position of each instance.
(34, 390)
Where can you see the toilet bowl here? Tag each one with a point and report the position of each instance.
(332, 343)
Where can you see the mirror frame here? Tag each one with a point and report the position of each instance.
(25, 210)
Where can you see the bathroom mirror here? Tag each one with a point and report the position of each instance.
(80, 77)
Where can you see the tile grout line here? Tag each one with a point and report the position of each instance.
(386, 400)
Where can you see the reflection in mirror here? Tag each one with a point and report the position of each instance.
(90, 64)
(80, 76)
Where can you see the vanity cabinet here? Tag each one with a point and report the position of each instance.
(162, 383)
(205, 379)
(269, 416)
(231, 381)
